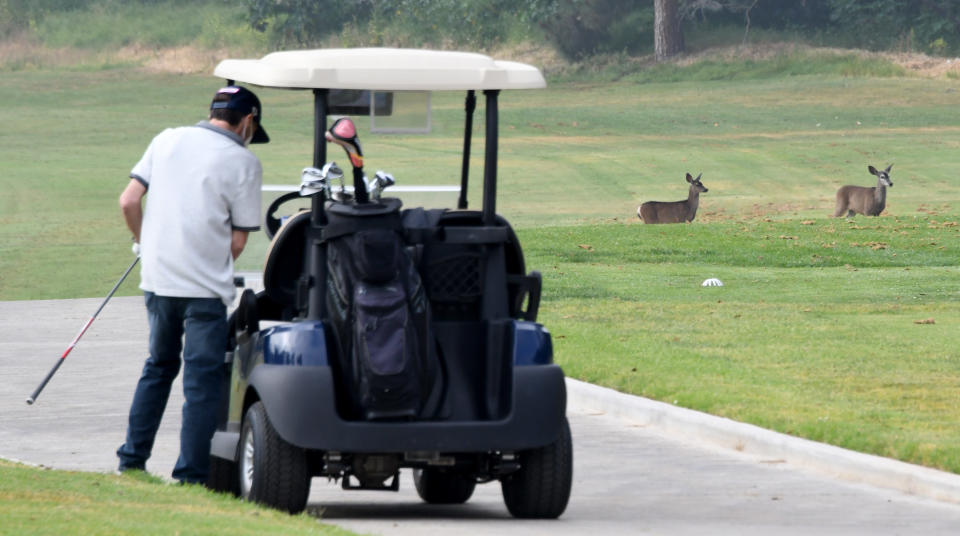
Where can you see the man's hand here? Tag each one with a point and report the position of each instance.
(136, 248)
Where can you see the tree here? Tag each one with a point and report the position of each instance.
(667, 32)
(305, 22)
(582, 28)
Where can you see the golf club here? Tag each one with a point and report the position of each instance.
(330, 172)
(344, 133)
(335, 173)
(83, 330)
(381, 181)
(313, 180)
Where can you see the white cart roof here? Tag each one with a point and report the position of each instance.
(381, 69)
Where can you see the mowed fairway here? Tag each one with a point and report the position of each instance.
(835, 330)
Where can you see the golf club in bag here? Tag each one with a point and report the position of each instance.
(344, 133)
(83, 330)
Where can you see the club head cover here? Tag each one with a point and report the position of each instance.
(344, 133)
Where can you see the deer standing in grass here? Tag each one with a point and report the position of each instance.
(862, 200)
(674, 211)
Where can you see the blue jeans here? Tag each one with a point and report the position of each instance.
(198, 326)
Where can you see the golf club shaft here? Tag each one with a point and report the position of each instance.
(359, 188)
(83, 330)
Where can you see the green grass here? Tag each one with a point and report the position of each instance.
(819, 331)
(43, 502)
(815, 332)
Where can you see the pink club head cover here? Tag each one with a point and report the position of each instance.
(344, 133)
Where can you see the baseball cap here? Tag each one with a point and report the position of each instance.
(245, 102)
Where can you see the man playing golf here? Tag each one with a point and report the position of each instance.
(204, 199)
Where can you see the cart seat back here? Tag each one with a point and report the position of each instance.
(286, 260)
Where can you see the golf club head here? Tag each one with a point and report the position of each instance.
(313, 181)
(381, 181)
(386, 180)
(332, 171)
(344, 133)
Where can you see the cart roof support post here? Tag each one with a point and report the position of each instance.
(319, 127)
(490, 159)
(317, 270)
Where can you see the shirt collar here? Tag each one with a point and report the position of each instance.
(232, 135)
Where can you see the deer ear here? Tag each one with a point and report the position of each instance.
(698, 177)
(888, 168)
(689, 177)
(872, 170)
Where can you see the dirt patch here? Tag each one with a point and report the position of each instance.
(927, 66)
(915, 63)
(179, 60)
(22, 53)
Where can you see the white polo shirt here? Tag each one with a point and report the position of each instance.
(202, 183)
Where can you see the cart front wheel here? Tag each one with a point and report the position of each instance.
(271, 471)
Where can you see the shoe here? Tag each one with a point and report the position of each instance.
(124, 468)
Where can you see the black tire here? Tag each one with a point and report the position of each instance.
(436, 486)
(541, 487)
(271, 471)
(223, 476)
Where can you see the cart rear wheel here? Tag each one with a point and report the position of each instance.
(436, 486)
(271, 471)
(541, 487)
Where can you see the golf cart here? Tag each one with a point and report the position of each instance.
(389, 337)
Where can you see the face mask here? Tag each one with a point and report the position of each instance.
(243, 134)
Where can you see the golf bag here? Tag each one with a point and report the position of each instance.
(380, 315)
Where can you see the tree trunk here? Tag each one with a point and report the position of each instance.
(667, 34)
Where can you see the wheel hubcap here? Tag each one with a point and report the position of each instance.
(246, 465)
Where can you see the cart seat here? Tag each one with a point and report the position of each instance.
(286, 260)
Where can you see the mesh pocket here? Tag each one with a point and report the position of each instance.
(455, 278)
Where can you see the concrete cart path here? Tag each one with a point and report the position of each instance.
(633, 474)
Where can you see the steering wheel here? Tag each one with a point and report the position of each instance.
(271, 222)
